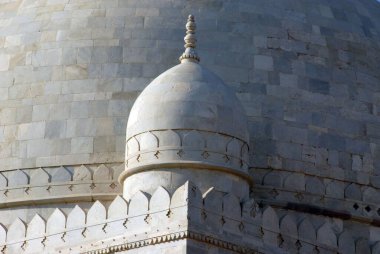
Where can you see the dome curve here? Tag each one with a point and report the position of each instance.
(187, 119)
(188, 96)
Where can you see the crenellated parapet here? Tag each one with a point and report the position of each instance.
(295, 232)
(59, 184)
(212, 218)
(169, 157)
(128, 221)
(181, 145)
(359, 201)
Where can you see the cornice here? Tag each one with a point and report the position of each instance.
(181, 235)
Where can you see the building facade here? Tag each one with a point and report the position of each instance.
(271, 144)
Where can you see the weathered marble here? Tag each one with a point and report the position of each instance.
(305, 72)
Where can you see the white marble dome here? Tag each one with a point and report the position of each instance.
(187, 115)
(185, 120)
(188, 96)
(187, 124)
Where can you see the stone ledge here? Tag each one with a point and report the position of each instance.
(190, 164)
(187, 234)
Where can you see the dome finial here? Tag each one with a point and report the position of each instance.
(190, 54)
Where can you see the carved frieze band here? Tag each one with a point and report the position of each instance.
(360, 200)
(70, 182)
(319, 204)
(186, 234)
(187, 145)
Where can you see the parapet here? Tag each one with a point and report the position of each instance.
(53, 186)
(212, 218)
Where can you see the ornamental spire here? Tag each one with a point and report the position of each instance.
(190, 54)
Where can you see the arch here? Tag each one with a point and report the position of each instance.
(234, 147)
(147, 141)
(353, 191)
(60, 174)
(39, 176)
(273, 178)
(193, 139)
(213, 208)
(133, 146)
(96, 221)
(139, 204)
(56, 222)
(314, 185)
(346, 243)
(117, 217)
(168, 138)
(244, 153)
(96, 214)
(231, 207)
(288, 226)
(186, 194)
(118, 209)
(16, 231)
(216, 142)
(36, 227)
(117, 170)
(213, 201)
(295, 181)
(76, 218)
(15, 236)
(289, 232)
(102, 173)
(270, 226)
(251, 210)
(188, 198)
(326, 235)
(35, 234)
(335, 189)
(306, 231)
(371, 195)
(82, 173)
(160, 200)
(17, 178)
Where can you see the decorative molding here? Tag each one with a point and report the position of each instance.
(212, 217)
(364, 179)
(297, 187)
(186, 234)
(190, 164)
(182, 145)
(67, 183)
(320, 210)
